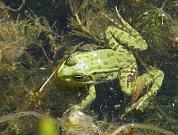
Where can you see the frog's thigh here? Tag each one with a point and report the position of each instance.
(154, 77)
(126, 86)
(157, 77)
(139, 84)
(89, 99)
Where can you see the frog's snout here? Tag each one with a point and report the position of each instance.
(63, 76)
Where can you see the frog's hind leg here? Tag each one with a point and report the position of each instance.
(121, 40)
(138, 86)
(154, 79)
(125, 24)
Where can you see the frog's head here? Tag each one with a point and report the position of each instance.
(73, 72)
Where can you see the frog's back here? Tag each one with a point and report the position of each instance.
(107, 59)
(104, 64)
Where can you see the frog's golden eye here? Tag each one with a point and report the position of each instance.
(78, 76)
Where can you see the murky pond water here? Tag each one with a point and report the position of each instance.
(86, 67)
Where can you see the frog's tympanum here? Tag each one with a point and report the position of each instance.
(97, 66)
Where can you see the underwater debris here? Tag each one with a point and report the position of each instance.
(156, 26)
(79, 123)
(4, 14)
(4, 7)
(20, 71)
(17, 35)
(154, 128)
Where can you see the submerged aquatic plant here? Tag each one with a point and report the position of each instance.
(155, 25)
(17, 35)
(20, 71)
(77, 122)
(87, 20)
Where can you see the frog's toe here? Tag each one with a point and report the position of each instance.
(75, 107)
(139, 105)
(143, 105)
(67, 111)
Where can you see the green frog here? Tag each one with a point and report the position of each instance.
(98, 66)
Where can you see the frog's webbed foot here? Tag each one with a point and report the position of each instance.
(154, 79)
(139, 105)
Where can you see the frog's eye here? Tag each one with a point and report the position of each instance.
(78, 76)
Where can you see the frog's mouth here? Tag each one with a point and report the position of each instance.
(74, 80)
(78, 80)
(68, 83)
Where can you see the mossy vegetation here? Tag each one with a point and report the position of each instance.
(32, 42)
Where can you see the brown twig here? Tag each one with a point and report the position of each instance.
(24, 114)
(142, 126)
(19, 8)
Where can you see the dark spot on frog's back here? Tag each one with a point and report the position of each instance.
(109, 54)
(99, 66)
(118, 60)
(91, 63)
(106, 63)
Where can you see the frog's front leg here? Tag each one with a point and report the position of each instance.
(153, 78)
(88, 100)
